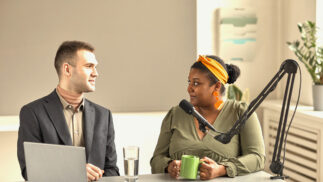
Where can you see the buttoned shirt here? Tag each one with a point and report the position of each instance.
(74, 121)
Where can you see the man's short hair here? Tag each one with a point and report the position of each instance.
(67, 53)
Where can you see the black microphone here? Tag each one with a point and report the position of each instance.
(189, 109)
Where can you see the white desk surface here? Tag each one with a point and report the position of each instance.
(260, 176)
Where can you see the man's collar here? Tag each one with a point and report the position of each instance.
(66, 105)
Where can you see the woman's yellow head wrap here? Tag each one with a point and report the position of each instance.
(215, 67)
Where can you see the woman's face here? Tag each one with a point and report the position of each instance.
(199, 89)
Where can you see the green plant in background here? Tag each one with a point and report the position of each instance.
(234, 92)
(307, 52)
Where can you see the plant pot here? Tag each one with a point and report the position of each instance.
(318, 97)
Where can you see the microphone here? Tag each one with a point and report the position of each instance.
(189, 109)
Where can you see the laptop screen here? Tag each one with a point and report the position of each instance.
(48, 162)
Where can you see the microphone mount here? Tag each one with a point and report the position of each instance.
(288, 67)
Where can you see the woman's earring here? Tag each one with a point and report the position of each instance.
(219, 102)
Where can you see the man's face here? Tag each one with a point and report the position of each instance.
(84, 73)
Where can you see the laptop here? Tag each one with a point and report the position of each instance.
(52, 163)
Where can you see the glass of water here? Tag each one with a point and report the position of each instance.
(131, 162)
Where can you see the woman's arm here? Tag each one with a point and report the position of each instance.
(160, 160)
(252, 147)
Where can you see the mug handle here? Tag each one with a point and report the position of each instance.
(200, 162)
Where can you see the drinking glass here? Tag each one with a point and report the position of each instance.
(131, 162)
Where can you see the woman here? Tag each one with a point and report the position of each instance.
(180, 133)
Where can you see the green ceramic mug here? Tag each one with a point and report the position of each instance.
(189, 166)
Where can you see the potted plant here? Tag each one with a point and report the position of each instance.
(311, 56)
(235, 93)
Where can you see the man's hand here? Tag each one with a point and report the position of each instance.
(93, 173)
(174, 168)
(209, 169)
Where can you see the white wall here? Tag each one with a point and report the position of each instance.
(144, 49)
(293, 12)
(9, 167)
(277, 24)
(319, 21)
(137, 129)
(256, 73)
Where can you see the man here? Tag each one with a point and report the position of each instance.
(65, 117)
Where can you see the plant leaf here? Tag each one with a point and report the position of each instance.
(300, 28)
(306, 51)
(234, 92)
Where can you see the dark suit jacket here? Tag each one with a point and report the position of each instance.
(43, 121)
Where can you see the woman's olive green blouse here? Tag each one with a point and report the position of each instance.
(244, 154)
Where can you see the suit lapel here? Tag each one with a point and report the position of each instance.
(55, 111)
(89, 116)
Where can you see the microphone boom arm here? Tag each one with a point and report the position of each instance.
(290, 67)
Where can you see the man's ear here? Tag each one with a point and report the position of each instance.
(66, 69)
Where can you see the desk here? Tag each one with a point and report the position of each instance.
(260, 176)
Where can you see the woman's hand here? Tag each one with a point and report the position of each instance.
(174, 168)
(209, 169)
